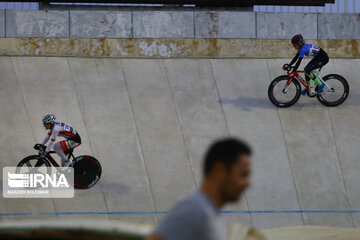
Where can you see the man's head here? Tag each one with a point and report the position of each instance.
(227, 165)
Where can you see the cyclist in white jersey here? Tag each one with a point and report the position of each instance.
(56, 129)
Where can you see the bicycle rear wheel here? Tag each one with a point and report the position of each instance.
(281, 98)
(335, 92)
(87, 171)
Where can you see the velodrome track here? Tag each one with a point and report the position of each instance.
(150, 121)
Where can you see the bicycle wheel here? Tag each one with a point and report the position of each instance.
(279, 97)
(335, 92)
(87, 172)
(33, 163)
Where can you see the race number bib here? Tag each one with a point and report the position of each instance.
(67, 128)
(315, 49)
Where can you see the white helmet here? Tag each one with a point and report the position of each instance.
(49, 119)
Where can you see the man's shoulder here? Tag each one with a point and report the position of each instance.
(196, 198)
(193, 218)
(194, 203)
(185, 219)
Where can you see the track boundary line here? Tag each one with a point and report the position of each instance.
(166, 212)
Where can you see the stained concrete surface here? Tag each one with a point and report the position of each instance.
(150, 121)
(169, 48)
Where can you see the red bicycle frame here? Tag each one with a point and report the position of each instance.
(298, 77)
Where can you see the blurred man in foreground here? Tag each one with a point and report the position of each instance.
(226, 171)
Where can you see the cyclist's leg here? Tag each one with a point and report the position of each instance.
(65, 146)
(59, 149)
(307, 79)
(73, 144)
(312, 65)
(315, 63)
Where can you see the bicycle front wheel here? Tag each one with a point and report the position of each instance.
(33, 163)
(335, 92)
(281, 97)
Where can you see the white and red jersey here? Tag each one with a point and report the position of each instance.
(62, 130)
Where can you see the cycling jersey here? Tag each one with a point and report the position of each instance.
(62, 130)
(309, 50)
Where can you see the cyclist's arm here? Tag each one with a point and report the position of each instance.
(46, 139)
(52, 140)
(294, 59)
(297, 64)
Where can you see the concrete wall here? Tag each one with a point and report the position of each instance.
(103, 24)
(2, 23)
(286, 25)
(178, 24)
(174, 34)
(160, 24)
(37, 24)
(225, 25)
(168, 48)
(334, 26)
